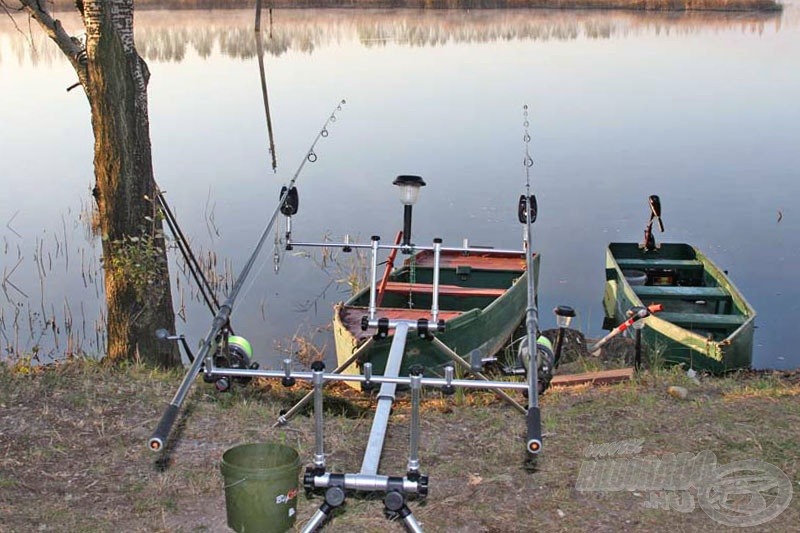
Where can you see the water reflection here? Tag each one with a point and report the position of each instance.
(265, 96)
(170, 35)
(627, 105)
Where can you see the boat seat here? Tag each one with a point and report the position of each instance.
(703, 320)
(680, 293)
(444, 290)
(667, 264)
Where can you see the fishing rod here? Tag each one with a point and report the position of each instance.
(527, 214)
(222, 317)
(206, 291)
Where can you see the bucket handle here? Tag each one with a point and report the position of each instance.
(236, 483)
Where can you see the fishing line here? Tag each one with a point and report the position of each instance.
(310, 157)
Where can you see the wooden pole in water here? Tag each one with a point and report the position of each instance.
(258, 15)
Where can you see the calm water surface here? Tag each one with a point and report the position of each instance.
(700, 109)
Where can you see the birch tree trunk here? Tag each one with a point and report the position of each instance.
(114, 78)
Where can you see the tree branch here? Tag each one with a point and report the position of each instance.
(53, 28)
(13, 21)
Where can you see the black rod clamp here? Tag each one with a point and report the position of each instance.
(383, 328)
(423, 330)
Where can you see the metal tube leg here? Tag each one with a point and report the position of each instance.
(318, 367)
(316, 521)
(373, 281)
(437, 252)
(413, 453)
(395, 504)
(411, 523)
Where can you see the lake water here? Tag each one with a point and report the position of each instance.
(701, 109)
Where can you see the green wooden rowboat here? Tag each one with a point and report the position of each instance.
(706, 323)
(482, 299)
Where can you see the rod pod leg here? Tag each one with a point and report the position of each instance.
(413, 448)
(334, 497)
(395, 505)
(318, 367)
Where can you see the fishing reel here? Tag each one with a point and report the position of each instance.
(236, 353)
(545, 360)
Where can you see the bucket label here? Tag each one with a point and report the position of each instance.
(285, 498)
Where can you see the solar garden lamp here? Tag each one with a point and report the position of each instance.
(564, 315)
(408, 187)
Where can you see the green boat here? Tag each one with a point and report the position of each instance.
(482, 301)
(706, 323)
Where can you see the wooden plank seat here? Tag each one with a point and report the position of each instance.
(643, 264)
(702, 320)
(476, 260)
(444, 290)
(657, 293)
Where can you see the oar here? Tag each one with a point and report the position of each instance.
(644, 312)
(388, 270)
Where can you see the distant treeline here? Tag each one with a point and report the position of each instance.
(645, 5)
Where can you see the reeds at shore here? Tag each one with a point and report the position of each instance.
(641, 5)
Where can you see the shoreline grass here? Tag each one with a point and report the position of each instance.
(73, 438)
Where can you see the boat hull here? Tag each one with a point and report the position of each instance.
(706, 323)
(472, 322)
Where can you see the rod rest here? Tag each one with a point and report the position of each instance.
(315, 479)
(382, 325)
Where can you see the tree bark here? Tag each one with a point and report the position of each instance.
(115, 77)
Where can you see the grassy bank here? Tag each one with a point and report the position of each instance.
(651, 5)
(73, 455)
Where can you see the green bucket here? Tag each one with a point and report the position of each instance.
(261, 487)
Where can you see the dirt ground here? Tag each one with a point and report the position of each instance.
(73, 455)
